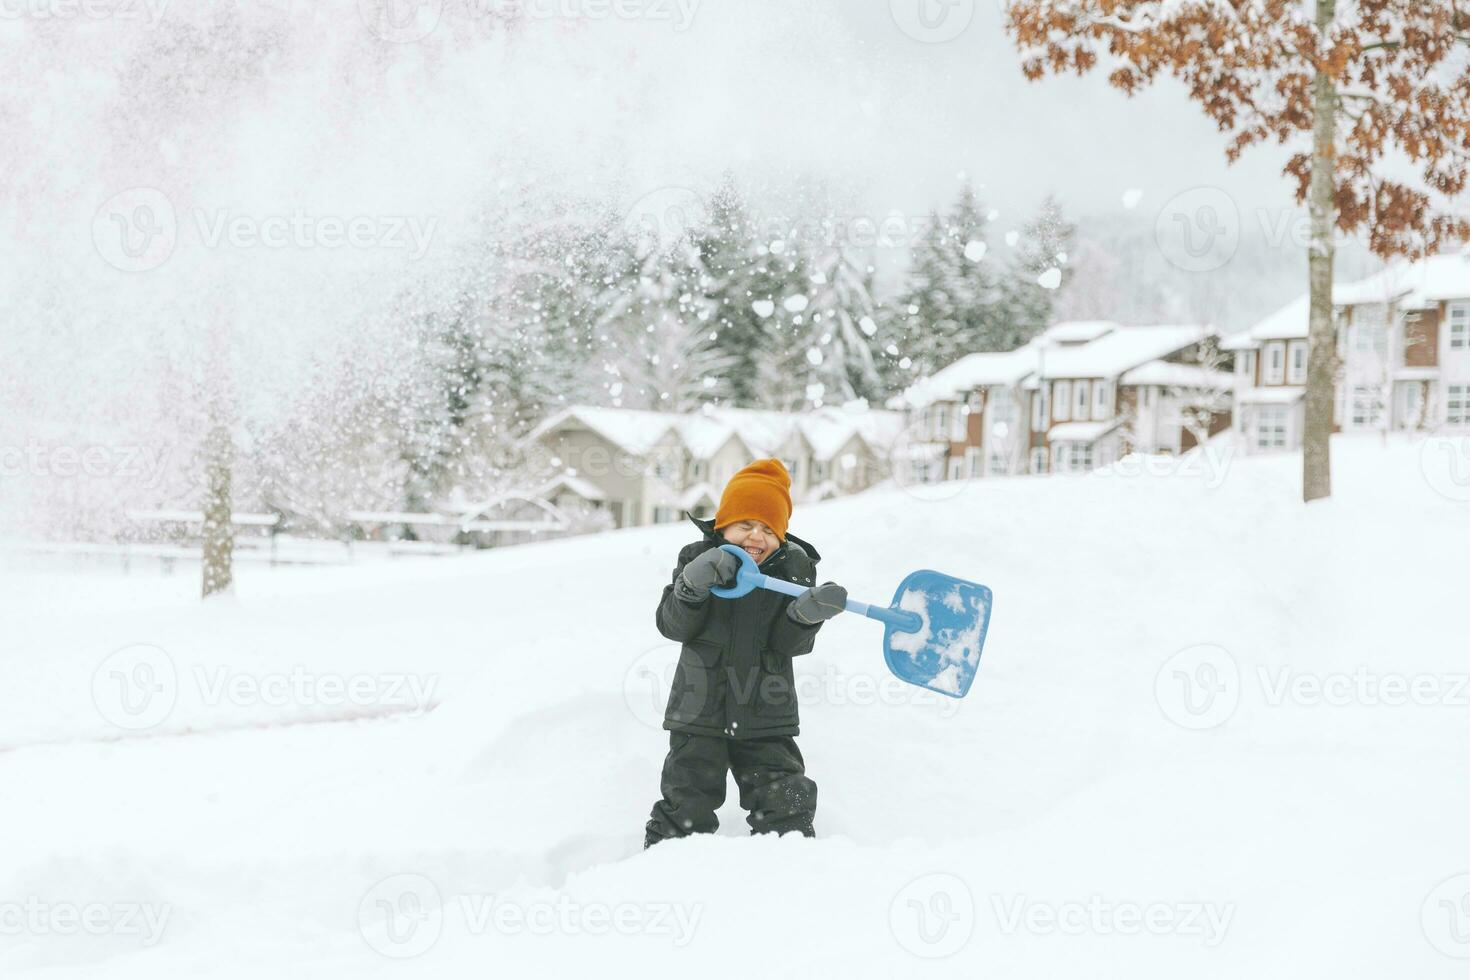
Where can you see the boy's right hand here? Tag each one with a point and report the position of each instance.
(710, 568)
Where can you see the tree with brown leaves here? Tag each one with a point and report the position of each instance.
(1351, 81)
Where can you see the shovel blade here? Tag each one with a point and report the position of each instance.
(944, 655)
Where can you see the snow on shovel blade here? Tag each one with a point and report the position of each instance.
(944, 654)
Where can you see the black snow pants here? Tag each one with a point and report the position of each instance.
(774, 788)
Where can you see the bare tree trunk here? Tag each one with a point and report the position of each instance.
(1322, 339)
(219, 529)
(219, 451)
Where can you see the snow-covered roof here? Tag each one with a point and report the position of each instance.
(1082, 431)
(1413, 285)
(1077, 331)
(635, 430)
(1280, 395)
(1119, 350)
(973, 371)
(764, 433)
(1416, 373)
(583, 488)
(693, 495)
(1178, 376)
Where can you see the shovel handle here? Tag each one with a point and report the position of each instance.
(750, 577)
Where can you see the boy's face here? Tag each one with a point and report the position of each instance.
(758, 540)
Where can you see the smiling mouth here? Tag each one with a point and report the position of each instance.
(753, 551)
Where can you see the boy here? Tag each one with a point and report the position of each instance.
(732, 706)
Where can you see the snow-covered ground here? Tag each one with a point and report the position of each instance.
(1215, 734)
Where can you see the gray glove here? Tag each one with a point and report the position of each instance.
(818, 604)
(713, 567)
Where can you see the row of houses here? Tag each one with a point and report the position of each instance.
(1080, 395)
(642, 467)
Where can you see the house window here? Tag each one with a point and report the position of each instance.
(998, 464)
(792, 467)
(1072, 457)
(819, 471)
(956, 467)
(1079, 411)
(1246, 365)
(938, 421)
(1148, 396)
(665, 467)
(1296, 363)
(1369, 329)
(1459, 326)
(1063, 399)
(1367, 406)
(1002, 406)
(700, 466)
(1039, 420)
(1271, 427)
(973, 461)
(1102, 399)
(1275, 363)
(959, 422)
(1038, 460)
(663, 515)
(1457, 402)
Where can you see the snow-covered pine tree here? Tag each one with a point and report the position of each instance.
(837, 329)
(663, 351)
(1038, 269)
(744, 284)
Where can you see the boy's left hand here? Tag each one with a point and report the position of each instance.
(818, 604)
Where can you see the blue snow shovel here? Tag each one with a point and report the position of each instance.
(932, 631)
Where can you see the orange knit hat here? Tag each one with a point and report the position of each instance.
(759, 492)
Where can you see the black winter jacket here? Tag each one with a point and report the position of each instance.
(734, 676)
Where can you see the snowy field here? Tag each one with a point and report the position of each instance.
(1214, 734)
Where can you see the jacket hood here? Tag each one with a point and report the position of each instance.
(707, 526)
